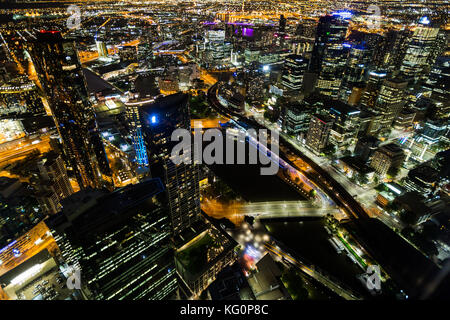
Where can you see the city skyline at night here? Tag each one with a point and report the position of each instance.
(350, 101)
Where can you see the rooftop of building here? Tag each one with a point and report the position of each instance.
(356, 164)
(392, 148)
(200, 247)
(369, 139)
(164, 103)
(112, 67)
(95, 83)
(323, 118)
(146, 86)
(341, 108)
(49, 159)
(97, 209)
(424, 174)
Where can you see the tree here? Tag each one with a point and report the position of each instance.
(329, 150)
(362, 179)
(295, 285)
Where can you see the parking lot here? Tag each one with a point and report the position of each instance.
(49, 286)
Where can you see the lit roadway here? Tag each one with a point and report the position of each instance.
(208, 123)
(267, 210)
(20, 148)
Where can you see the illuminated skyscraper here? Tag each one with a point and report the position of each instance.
(369, 97)
(137, 138)
(354, 72)
(345, 124)
(53, 184)
(318, 132)
(416, 62)
(60, 75)
(387, 157)
(329, 54)
(396, 44)
(293, 71)
(390, 101)
(120, 241)
(438, 83)
(159, 120)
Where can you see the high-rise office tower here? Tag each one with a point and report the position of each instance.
(345, 123)
(292, 75)
(356, 94)
(282, 24)
(397, 43)
(416, 62)
(390, 101)
(319, 132)
(159, 120)
(439, 84)
(216, 43)
(357, 62)
(295, 118)
(329, 53)
(53, 183)
(120, 241)
(373, 87)
(60, 75)
(137, 137)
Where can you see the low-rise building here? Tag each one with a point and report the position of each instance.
(387, 157)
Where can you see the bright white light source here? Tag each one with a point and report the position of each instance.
(21, 278)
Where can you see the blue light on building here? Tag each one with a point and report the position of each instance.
(343, 14)
(16, 252)
(424, 20)
(139, 147)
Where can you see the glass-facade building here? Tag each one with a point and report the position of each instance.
(329, 55)
(159, 120)
(60, 75)
(120, 241)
